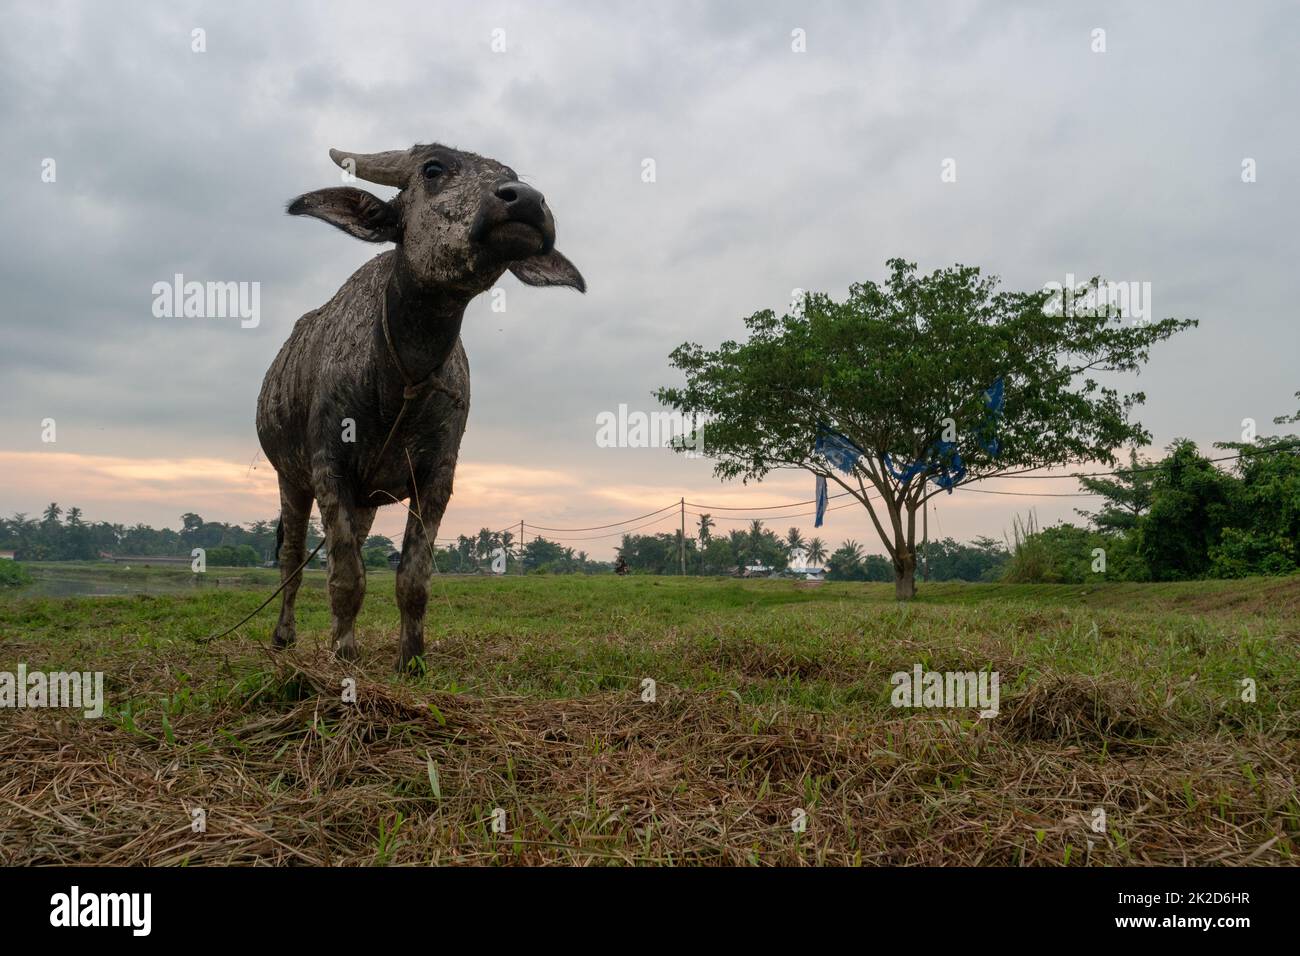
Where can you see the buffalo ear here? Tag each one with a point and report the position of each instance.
(550, 268)
(355, 211)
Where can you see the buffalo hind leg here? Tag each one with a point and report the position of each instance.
(291, 548)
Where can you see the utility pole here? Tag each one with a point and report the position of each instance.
(682, 543)
(521, 545)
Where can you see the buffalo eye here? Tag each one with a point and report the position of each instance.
(432, 169)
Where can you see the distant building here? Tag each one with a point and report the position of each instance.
(394, 559)
(807, 573)
(7, 556)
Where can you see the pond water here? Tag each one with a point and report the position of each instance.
(120, 581)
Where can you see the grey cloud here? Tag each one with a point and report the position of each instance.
(775, 170)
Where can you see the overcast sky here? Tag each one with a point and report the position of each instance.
(775, 170)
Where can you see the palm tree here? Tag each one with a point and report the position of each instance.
(816, 551)
(794, 541)
(706, 525)
(846, 563)
(483, 546)
(739, 545)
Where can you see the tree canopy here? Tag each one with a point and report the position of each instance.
(901, 374)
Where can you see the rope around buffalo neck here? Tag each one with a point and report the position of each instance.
(410, 390)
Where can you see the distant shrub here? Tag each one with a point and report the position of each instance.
(1030, 563)
(13, 574)
(1065, 554)
(1240, 553)
(242, 556)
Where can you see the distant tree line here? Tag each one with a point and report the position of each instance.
(710, 553)
(762, 550)
(66, 536)
(470, 555)
(1181, 517)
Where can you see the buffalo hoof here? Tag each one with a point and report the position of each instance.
(347, 650)
(283, 637)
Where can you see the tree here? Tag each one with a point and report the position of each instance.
(739, 542)
(816, 552)
(981, 560)
(1127, 495)
(484, 544)
(1192, 502)
(903, 379)
(465, 551)
(542, 555)
(1265, 533)
(845, 563)
(794, 541)
(657, 553)
(877, 568)
(706, 527)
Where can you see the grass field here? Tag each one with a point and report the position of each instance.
(773, 701)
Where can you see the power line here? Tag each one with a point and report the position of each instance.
(668, 510)
(1095, 474)
(797, 514)
(601, 527)
(615, 534)
(1037, 494)
(1158, 466)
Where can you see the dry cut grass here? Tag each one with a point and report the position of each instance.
(287, 772)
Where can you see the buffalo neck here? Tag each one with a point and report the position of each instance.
(424, 322)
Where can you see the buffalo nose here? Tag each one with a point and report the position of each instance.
(519, 197)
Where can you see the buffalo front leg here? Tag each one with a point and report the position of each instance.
(291, 549)
(346, 526)
(417, 562)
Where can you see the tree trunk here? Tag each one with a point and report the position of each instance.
(905, 577)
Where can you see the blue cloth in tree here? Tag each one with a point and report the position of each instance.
(942, 461)
(985, 436)
(839, 450)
